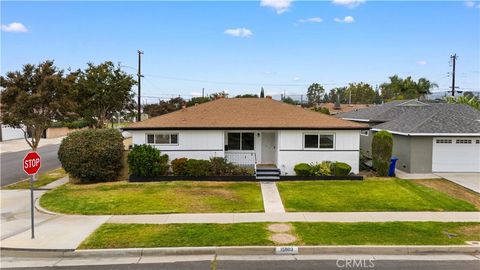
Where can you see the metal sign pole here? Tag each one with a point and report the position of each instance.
(31, 205)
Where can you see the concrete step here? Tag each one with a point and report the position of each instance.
(267, 177)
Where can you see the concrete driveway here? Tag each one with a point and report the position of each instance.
(468, 180)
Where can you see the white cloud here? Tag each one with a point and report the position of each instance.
(422, 62)
(311, 20)
(239, 32)
(280, 6)
(346, 19)
(469, 4)
(14, 27)
(348, 3)
(296, 79)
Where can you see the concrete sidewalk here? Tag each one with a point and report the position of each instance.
(298, 217)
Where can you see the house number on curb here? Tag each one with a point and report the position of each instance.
(286, 250)
(31, 165)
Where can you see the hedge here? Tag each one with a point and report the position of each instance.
(147, 161)
(382, 145)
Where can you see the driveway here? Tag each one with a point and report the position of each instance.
(467, 180)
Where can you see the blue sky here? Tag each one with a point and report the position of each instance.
(241, 46)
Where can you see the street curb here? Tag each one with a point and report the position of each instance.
(43, 210)
(246, 250)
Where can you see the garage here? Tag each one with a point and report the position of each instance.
(459, 154)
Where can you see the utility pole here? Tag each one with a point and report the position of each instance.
(203, 92)
(454, 60)
(139, 74)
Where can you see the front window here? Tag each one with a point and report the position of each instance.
(318, 141)
(162, 138)
(241, 141)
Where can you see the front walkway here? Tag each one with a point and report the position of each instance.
(272, 203)
(467, 180)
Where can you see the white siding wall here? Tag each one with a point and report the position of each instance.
(197, 144)
(291, 152)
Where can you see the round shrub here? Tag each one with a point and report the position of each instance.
(179, 166)
(93, 155)
(302, 169)
(341, 169)
(382, 145)
(198, 167)
(146, 161)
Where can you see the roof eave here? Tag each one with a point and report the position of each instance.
(244, 128)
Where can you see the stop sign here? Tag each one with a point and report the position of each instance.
(31, 163)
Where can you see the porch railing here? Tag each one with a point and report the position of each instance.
(242, 159)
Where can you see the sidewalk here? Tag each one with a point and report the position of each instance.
(21, 144)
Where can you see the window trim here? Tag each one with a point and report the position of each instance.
(319, 134)
(241, 142)
(162, 133)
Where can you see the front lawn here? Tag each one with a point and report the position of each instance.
(41, 180)
(387, 233)
(177, 235)
(367, 195)
(250, 234)
(121, 198)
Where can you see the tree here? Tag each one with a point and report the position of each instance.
(361, 93)
(218, 95)
(472, 102)
(164, 107)
(382, 145)
(290, 100)
(35, 97)
(247, 96)
(262, 93)
(315, 93)
(198, 100)
(104, 91)
(407, 88)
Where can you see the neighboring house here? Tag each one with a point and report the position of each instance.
(252, 131)
(427, 137)
(10, 133)
(343, 107)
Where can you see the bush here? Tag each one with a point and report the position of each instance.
(340, 169)
(303, 169)
(220, 166)
(146, 161)
(321, 169)
(93, 155)
(179, 166)
(382, 145)
(198, 167)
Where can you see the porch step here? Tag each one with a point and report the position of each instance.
(267, 173)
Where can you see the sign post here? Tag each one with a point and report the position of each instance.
(31, 165)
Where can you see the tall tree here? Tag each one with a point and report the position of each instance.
(164, 107)
(35, 97)
(104, 90)
(262, 93)
(315, 93)
(360, 93)
(338, 92)
(399, 88)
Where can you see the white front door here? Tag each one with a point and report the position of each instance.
(268, 148)
(456, 154)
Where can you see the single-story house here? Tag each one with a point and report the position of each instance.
(427, 137)
(252, 131)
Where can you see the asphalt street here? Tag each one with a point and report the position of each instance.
(11, 163)
(283, 265)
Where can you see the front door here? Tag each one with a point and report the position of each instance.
(268, 148)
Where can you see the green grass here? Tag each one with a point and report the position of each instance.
(121, 198)
(177, 235)
(249, 234)
(42, 180)
(367, 195)
(387, 233)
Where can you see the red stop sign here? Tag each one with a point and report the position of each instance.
(31, 163)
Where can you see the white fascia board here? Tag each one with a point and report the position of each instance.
(429, 134)
(358, 120)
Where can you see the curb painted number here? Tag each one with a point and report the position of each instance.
(286, 250)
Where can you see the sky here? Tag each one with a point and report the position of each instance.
(241, 46)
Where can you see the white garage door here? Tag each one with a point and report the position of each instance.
(456, 155)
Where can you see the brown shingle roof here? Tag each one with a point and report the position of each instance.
(245, 113)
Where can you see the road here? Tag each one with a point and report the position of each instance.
(11, 163)
(281, 265)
